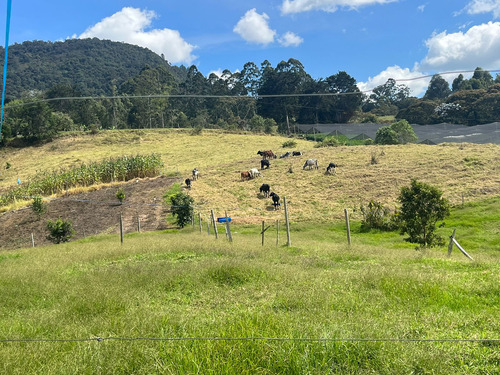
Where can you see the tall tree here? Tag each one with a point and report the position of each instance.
(438, 88)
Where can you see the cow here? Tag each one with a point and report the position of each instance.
(265, 189)
(331, 168)
(276, 200)
(311, 163)
(245, 175)
(195, 174)
(254, 172)
(264, 164)
(285, 155)
(268, 154)
(188, 183)
(296, 153)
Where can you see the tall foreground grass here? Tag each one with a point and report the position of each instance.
(263, 303)
(114, 169)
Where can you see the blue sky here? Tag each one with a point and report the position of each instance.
(372, 40)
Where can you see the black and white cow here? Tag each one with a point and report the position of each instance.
(276, 200)
(265, 189)
(188, 183)
(195, 174)
(331, 169)
(296, 153)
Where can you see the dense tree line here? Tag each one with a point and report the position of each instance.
(257, 98)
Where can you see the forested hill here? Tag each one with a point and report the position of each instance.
(93, 66)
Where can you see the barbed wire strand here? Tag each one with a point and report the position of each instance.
(257, 338)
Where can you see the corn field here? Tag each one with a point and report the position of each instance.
(112, 170)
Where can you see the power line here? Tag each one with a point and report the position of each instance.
(210, 96)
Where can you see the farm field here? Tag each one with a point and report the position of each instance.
(175, 301)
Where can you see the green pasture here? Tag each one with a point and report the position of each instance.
(245, 308)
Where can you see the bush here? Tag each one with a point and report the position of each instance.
(376, 216)
(120, 195)
(182, 207)
(386, 136)
(38, 206)
(328, 142)
(290, 144)
(422, 207)
(60, 230)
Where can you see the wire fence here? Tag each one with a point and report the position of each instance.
(289, 339)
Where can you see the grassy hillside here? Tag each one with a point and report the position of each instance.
(182, 285)
(158, 300)
(458, 169)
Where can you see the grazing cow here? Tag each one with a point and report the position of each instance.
(265, 189)
(268, 154)
(188, 183)
(276, 200)
(310, 163)
(264, 164)
(331, 168)
(296, 153)
(245, 175)
(195, 174)
(254, 172)
(285, 155)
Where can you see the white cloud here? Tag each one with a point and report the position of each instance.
(484, 6)
(298, 6)
(478, 46)
(415, 80)
(290, 39)
(421, 8)
(129, 24)
(254, 28)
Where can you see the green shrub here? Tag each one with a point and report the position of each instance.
(328, 142)
(376, 216)
(422, 206)
(120, 195)
(38, 206)
(182, 207)
(290, 144)
(60, 230)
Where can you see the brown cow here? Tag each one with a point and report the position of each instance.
(268, 154)
(245, 175)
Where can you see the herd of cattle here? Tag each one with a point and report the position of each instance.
(265, 189)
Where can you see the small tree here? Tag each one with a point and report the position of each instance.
(120, 195)
(60, 230)
(38, 206)
(386, 136)
(182, 208)
(404, 131)
(422, 206)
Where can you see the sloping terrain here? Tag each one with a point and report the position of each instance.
(91, 213)
(462, 171)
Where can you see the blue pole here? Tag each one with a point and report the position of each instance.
(7, 29)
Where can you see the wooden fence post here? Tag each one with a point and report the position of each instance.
(32, 240)
(121, 229)
(199, 220)
(263, 225)
(215, 224)
(138, 224)
(450, 245)
(228, 228)
(347, 225)
(277, 232)
(288, 240)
